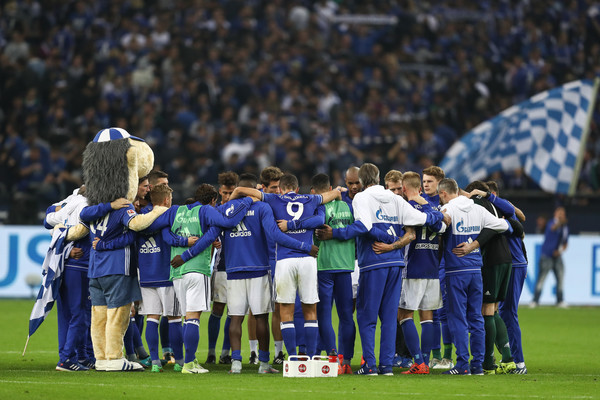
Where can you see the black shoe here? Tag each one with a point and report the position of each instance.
(211, 359)
(225, 359)
(279, 359)
(253, 358)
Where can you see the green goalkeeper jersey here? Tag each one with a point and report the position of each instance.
(336, 255)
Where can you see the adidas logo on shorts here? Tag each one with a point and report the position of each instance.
(149, 247)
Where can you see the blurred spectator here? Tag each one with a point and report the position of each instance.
(309, 86)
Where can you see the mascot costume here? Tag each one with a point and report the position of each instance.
(112, 165)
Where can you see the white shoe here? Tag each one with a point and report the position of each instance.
(562, 304)
(533, 304)
(265, 368)
(445, 364)
(101, 365)
(236, 367)
(122, 365)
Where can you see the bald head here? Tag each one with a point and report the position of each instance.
(352, 182)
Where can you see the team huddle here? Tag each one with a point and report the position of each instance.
(258, 246)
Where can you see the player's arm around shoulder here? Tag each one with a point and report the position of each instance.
(330, 196)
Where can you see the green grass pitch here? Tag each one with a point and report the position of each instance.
(562, 353)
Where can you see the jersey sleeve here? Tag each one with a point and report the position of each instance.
(92, 213)
(127, 214)
(408, 215)
(502, 205)
(351, 231)
(48, 223)
(491, 222)
(172, 239)
(163, 221)
(231, 219)
(382, 236)
(119, 242)
(274, 233)
(202, 243)
(361, 212)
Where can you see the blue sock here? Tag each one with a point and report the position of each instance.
(164, 334)
(226, 343)
(299, 325)
(152, 337)
(214, 324)
(176, 336)
(311, 334)
(411, 337)
(236, 355)
(191, 337)
(427, 335)
(288, 332)
(264, 356)
(128, 338)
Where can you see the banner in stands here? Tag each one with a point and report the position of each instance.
(22, 251)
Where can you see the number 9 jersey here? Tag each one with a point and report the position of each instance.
(293, 206)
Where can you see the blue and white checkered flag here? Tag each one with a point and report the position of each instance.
(542, 135)
(52, 271)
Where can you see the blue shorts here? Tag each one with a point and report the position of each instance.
(114, 291)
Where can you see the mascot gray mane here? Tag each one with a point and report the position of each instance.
(105, 170)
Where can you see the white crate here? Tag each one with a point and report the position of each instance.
(297, 367)
(317, 367)
(322, 368)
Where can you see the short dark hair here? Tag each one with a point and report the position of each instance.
(189, 200)
(155, 175)
(288, 181)
(493, 187)
(477, 185)
(142, 179)
(269, 175)
(206, 193)
(320, 183)
(248, 181)
(228, 178)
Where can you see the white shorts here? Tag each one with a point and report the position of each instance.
(298, 273)
(193, 292)
(219, 286)
(250, 294)
(420, 294)
(160, 301)
(354, 276)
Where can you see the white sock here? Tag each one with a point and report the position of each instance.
(521, 365)
(224, 353)
(278, 347)
(254, 346)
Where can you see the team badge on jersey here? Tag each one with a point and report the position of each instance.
(130, 212)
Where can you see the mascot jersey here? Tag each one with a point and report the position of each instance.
(109, 227)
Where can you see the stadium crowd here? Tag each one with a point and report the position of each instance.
(239, 85)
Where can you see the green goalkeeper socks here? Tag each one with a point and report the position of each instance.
(502, 342)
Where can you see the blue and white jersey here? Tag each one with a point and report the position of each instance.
(68, 215)
(423, 254)
(468, 219)
(379, 212)
(517, 250)
(245, 245)
(113, 224)
(296, 206)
